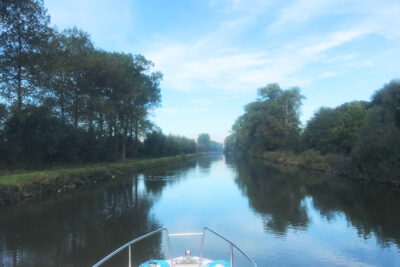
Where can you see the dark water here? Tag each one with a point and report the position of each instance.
(280, 216)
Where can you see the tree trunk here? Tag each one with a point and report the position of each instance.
(62, 100)
(19, 76)
(19, 89)
(76, 110)
(123, 147)
(123, 140)
(136, 138)
(101, 125)
(115, 138)
(287, 112)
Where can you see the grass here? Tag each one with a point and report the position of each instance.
(114, 168)
(308, 159)
(15, 187)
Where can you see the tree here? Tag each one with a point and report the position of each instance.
(335, 130)
(204, 142)
(377, 150)
(270, 123)
(140, 93)
(23, 34)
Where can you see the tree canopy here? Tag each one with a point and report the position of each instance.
(358, 137)
(270, 123)
(66, 100)
(377, 151)
(335, 130)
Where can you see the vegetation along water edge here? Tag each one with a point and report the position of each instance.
(358, 139)
(19, 186)
(314, 160)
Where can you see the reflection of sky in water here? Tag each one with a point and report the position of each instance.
(278, 215)
(214, 200)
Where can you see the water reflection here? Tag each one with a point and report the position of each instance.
(78, 228)
(74, 229)
(157, 179)
(280, 215)
(278, 194)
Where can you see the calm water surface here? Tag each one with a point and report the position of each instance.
(280, 216)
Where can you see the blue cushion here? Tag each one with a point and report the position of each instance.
(224, 263)
(160, 263)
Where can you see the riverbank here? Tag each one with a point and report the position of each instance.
(19, 186)
(313, 160)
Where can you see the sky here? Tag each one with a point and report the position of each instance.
(214, 55)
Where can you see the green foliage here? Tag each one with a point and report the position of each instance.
(357, 138)
(377, 152)
(157, 144)
(205, 144)
(335, 130)
(313, 158)
(270, 123)
(67, 100)
(204, 141)
(23, 36)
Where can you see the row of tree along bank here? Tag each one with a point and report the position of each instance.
(63, 100)
(359, 138)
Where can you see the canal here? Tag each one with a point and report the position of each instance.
(278, 215)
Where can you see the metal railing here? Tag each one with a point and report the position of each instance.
(202, 234)
(133, 242)
(231, 246)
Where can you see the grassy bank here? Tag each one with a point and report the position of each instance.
(18, 186)
(330, 163)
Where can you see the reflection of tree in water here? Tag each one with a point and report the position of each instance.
(273, 194)
(77, 228)
(277, 191)
(370, 208)
(204, 163)
(155, 180)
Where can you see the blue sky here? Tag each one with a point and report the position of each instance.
(215, 54)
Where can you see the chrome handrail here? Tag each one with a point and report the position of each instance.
(203, 233)
(232, 245)
(131, 243)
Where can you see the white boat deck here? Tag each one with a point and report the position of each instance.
(184, 261)
(193, 262)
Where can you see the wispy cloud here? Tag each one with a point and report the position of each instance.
(110, 23)
(302, 11)
(327, 74)
(201, 101)
(215, 61)
(190, 66)
(167, 111)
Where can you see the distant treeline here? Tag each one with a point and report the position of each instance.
(358, 137)
(64, 100)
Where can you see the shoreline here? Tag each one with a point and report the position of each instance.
(321, 165)
(19, 186)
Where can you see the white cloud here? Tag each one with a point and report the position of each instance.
(205, 102)
(110, 23)
(335, 39)
(216, 61)
(341, 58)
(167, 111)
(327, 74)
(193, 65)
(302, 11)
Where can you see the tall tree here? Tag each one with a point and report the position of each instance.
(23, 34)
(270, 123)
(377, 152)
(335, 130)
(204, 141)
